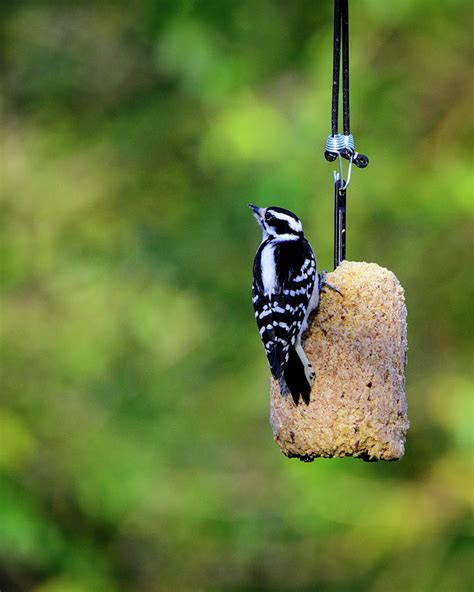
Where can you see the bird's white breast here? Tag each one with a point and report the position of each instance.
(267, 262)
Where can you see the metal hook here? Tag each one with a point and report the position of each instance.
(340, 175)
(349, 173)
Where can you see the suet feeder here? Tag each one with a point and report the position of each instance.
(357, 342)
(357, 345)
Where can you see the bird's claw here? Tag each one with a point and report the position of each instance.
(323, 283)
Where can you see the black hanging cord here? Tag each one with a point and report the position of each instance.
(341, 146)
(345, 67)
(335, 68)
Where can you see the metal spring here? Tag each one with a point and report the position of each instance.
(349, 142)
(335, 143)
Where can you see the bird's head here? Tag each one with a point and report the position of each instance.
(277, 221)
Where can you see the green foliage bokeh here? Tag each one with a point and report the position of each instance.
(135, 447)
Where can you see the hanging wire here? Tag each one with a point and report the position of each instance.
(336, 142)
(335, 69)
(344, 9)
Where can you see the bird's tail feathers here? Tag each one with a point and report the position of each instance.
(299, 375)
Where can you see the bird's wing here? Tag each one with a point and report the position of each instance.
(280, 315)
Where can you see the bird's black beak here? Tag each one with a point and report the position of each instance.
(259, 214)
(257, 211)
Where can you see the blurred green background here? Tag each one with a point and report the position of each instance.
(136, 453)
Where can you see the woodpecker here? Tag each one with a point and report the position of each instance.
(285, 290)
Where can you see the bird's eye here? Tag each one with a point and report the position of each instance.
(268, 217)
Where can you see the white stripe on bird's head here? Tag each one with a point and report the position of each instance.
(293, 222)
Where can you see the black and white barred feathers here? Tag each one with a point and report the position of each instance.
(285, 291)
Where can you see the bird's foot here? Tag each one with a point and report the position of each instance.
(284, 390)
(323, 283)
